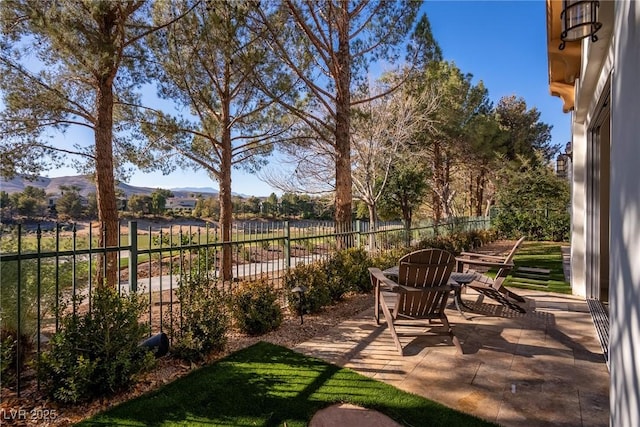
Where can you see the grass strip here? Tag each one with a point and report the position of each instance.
(269, 385)
(540, 255)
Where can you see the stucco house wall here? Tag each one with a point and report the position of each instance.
(606, 143)
(625, 218)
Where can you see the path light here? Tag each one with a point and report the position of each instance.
(579, 20)
(299, 292)
(158, 343)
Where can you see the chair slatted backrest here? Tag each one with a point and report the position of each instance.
(425, 269)
(513, 250)
(503, 272)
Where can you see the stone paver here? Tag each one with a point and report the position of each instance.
(350, 415)
(545, 367)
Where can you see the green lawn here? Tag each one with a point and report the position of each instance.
(540, 255)
(269, 385)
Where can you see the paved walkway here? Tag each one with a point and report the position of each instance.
(240, 271)
(541, 368)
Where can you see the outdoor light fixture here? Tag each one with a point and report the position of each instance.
(579, 20)
(299, 291)
(563, 160)
(568, 151)
(561, 166)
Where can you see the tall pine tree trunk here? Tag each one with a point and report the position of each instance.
(225, 223)
(471, 193)
(226, 219)
(437, 188)
(447, 192)
(342, 135)
(373, 225)
(480, 184)
(407, 218)
(226, 207)
(105, 185)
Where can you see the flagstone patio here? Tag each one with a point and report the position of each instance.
(545, 367)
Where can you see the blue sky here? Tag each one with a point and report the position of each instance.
(502, 43)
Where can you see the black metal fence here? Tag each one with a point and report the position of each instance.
(44, 265)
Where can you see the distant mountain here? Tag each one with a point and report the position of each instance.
(18, 183)
(195, 190)
(205, 191)
(52, 186)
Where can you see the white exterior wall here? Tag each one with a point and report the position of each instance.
(578, 210)
(596, 67)
(625, 219)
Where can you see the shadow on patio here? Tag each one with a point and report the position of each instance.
(539, 368)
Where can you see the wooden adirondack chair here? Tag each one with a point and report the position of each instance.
(421, 293)
(485, 285)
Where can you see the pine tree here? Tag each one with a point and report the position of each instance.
(71, 63)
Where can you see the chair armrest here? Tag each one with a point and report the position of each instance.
(484, 263)
(477, 255)
(408, 289)
(382, 279)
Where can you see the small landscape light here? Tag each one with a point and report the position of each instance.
(299, 291)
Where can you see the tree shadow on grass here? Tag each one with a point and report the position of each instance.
(268, 385)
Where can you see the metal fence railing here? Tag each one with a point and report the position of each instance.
(44, 265)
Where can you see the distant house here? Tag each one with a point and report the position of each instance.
(52, 200)
(181, 204)
(121, 203)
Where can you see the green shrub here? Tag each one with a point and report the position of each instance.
(98, 352)
(7, 349)
(513, 223)
(482, 237)
(9, 354)
(456, 242)
(389, 258)
(533, 202)
(203, 321)
(313, 279)
(34, 297)
(37, 296)
(437, 242)
(558, 226)
(462, 241)
(392, 239)
(255, 308)
(347, 270)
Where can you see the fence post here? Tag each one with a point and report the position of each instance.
(133, 256)
(287, 245)
(39, 296)
(358, 232)
(19, 315)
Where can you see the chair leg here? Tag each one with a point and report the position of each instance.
(511, 294)
(454, 339)
(456, 342)
(376, 309)
(388, 316)
(457, 299)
